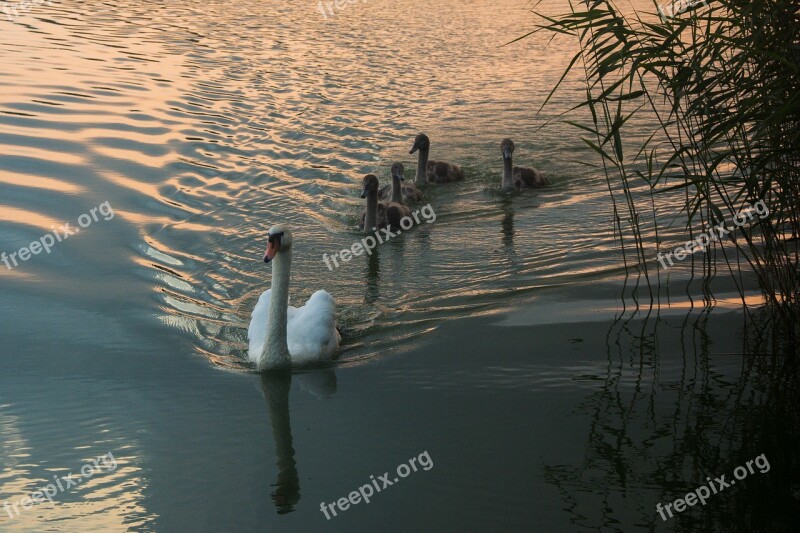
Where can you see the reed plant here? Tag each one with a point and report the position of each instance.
(718, 86)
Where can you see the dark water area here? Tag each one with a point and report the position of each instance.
(500, 346)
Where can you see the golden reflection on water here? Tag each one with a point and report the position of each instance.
(30, 218)
(38, 182)
(109, 500)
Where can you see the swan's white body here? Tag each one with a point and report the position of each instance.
(283, 336)
(311, 333)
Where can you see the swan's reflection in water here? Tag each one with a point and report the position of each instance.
(276, 390)
(372, 273)
(276, 385)
(507, 226)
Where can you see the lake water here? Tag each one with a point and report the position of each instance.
(500, 344)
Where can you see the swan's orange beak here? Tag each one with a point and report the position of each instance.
(272, 249)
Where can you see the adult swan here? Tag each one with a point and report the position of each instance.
(282, 336)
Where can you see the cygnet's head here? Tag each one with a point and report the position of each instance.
(370, 184)
(421, 142)
(279, 240)
(397, 170)
(507, 147)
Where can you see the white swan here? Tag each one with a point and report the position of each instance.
(282, 336)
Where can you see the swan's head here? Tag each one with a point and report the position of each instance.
(507, 147)
(279, 240)
(370, 184)
(421, 142)
(397, 170)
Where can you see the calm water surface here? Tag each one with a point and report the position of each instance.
(496, 338)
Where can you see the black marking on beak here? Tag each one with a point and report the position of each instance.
(270, 239)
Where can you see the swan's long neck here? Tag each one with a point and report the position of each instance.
(371, 220)
(397, 193)
(508, 178)
(276, 349)
(422, 168)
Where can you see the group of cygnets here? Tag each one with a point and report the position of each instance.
(390, 210)
(282, 336)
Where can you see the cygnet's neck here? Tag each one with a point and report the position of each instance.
(397, 192)
(508, 178)
(422, 167)
(371, 220)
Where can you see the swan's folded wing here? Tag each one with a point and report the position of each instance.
(529, 177)
(312, 334)
(257, 331)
